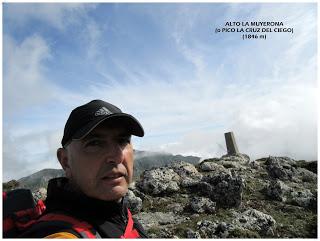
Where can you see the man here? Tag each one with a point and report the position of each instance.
(97, 157)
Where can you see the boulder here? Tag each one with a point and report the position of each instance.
(235, 161)
(239, 157)
(185, 170)
(306, 175)
(303, 198)
(202, 205)
(161, 180)
(134, 203)
(281, 168)
(208, 229)
(277, 190)
(223, 188)
(208, 166)
(189, 182)
(255, 220)
(193, 234)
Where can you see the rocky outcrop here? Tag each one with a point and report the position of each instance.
(304, 198)
(277, 190)
(227, 197)
(257, 221)
(186, 170)
(234, 186)
(209, 229)
(223, 188)
(285, 168)
(208, 166)
(201, 205)
(281, 168)
(134, 202)
(159, 181)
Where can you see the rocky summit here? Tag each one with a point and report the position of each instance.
(228, 197)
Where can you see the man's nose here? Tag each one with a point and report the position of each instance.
(114, 154)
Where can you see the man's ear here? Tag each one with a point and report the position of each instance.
(62, 155)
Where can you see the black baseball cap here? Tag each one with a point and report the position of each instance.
(85, 118)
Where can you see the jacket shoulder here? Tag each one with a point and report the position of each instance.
(59, 224)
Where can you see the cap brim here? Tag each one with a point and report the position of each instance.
(131, 124)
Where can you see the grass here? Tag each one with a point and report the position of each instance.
(243, 233)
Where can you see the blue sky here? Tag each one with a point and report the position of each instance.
(163, 63)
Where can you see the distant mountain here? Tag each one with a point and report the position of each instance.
(143, 160)
(40, 178)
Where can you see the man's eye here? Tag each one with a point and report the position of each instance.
(94, 143)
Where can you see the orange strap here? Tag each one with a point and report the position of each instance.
(61, 235)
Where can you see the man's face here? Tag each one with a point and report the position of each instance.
(101, 164)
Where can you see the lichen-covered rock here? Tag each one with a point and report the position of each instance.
(224, 189)
(285, 168)
(255, 220)
(303, 198)
(156, 219)
(201, 205)
(235, 161)
(159, 181)
(208, 229)
(277, 190)
(306, 175)
(281, 168)
(134, 203)
(282, 179)
(193, 234)
(223, 229)
(233, 165)
(189, 182)
(239, 157)
(185, 170)
(208, 166)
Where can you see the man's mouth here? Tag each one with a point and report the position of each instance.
(113, 176)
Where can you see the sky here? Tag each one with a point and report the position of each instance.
(165, 64)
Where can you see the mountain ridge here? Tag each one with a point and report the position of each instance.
(143, 160)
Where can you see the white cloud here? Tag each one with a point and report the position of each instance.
(273, 115)
(24, 79)
(25, 154)
(27, 88)
(57, 15)
(93, 36)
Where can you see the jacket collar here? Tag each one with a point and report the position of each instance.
(61, 195)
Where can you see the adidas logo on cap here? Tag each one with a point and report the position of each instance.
(103, 111)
